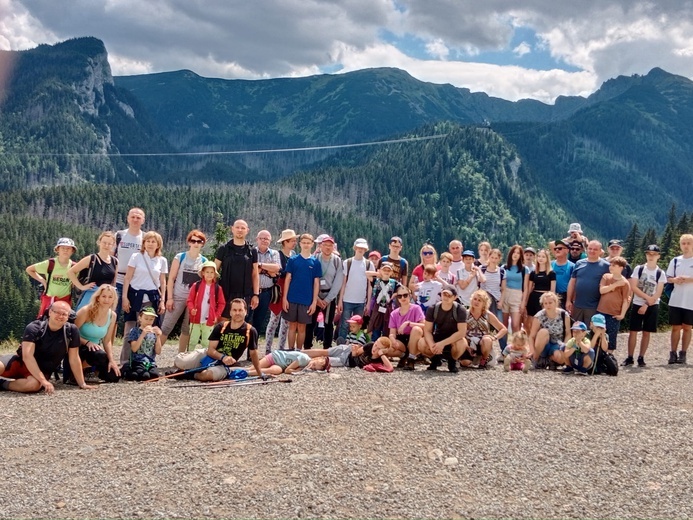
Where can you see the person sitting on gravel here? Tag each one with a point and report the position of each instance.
(290, 361)
(578, 354)
(144, 341)
(480, 336)
(550, 330)
(445, 333)
(357, 356)
(406, 326)
(227, 343)
(43, 348)
(516, 355)
(356, 335)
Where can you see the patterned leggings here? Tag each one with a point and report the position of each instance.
(275, 320)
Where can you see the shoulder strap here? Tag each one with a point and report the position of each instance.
(51, 266)
(182, 257)
(350, 259)
(641, 269)
(119, 237)
(248, 327)
(436, 308)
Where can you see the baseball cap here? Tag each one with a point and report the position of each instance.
(321, 238)
(326, 238)
(387, 265)
(652, 248)
(396, 239)
(578, 325)
(148, 311)
(598, 320)
(577, 243)
(530, 250)
(450, 289)
(468, 252)
(561, 242)
(355, 319)
(615, 242)
(375, 254)
(361, 242)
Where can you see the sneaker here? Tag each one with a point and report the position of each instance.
(436, 361)
(402, 361)
(541, 363)
(483, 364)
(641, 362)
(672, 358)
(409, 364)
(568, 370)
(506, 364)
(525, 366)
(553, 365)
(501, 359)
(452, 365)
(682, 358)
(629, 361)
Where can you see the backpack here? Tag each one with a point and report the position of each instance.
(455, 311)
(641, 268)
(669, 287)
(49, 274)
(604, 363)
(84, 275)
(369, 267)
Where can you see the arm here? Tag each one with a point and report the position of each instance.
(255, 300)
(553, 286)
(162, 291)
(157, 346)
(285, 295)
(533, 335)
(255, 360)
(386, 361)
(108, 343)
(604, 287)
(525, 291)
(566, 326)
(74, 271)
(293, 367)
(428, 333)
(126, 286)
(31, 271)
(504, 284)
(625, 293)
(77, 370)
(461, 333)
(501, 329)
(337, 284)
(272, 268)
(316, 290)
(570, 296)
(29, 360)
(173, 273)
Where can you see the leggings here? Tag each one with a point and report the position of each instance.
(275, 320)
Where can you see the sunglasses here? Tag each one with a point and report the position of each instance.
(559, 248)
(403, 296)
(196, 241)
(427, 253)
(576, 249)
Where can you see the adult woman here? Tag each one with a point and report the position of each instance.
(513, 303)
(101, 268)
(542, 279)
(550, 331)
(184, 272)
(144, 283)
(428, 256)
(406, 326)
(97, 322)
(480, 337)
(288, 242)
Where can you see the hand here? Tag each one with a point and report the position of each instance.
(156, 330)
(254, 302)
(437, 348)
(148, 329)
(88, 387)
(162, 307)
(340, 308)
(93, 347)
(619, 317)
(285, 305)
(112, 365)
(193, 312)
(322, 303)
(569, 307)
(401, 328)
(125, 304)
(311, 309)
(88, 286)
(169, 305)
(48, 387)
(228, 361)
(642, 310)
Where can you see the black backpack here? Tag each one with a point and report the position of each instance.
(604, 363)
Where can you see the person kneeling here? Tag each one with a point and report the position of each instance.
(578, 354)
(144, 341)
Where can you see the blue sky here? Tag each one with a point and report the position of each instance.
(536, 49)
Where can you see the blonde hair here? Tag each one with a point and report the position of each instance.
(446, 255)
(485, 298)
(93, 305)
(159, 242)
(426, 247)
(547, 296)
(109, 234)
(548, 262)
(519, 338)
(686, 236)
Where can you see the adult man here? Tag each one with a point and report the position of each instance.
(576, 251)
(400, 266)
(238, 262)
(455, 249)
(583, 289)
(330, 285)
(616, 249)
(445, 332)
(563, 269)
(128, 242)
(356, 289)
(680, 273)
(269, 266)
(227, 342)
(300, 298)
(43, 347)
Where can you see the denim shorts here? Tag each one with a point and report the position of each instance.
(550, 348)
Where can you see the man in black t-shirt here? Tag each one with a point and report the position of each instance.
(445, 332)
(43, 347)
(237, 261)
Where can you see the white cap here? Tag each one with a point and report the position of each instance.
(361, 242)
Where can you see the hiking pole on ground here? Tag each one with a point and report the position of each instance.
(184, 372)
(224, 384)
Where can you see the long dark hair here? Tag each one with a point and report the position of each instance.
(520, 263)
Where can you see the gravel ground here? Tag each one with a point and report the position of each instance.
(358, 445)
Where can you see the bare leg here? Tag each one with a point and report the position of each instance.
(675, 336)
(632, 340)
(300, 335)
(644, 343)
(686, 340)
(29, 385)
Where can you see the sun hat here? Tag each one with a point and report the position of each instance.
(64, 241)
(287, 234)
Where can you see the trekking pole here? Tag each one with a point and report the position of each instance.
(184, 372)
(224, 384)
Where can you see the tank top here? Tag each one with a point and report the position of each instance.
(92, 332)
(477, 328)
(102, 272)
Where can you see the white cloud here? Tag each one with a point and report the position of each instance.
(437, 49)
(522, 49)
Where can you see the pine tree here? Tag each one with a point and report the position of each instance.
(631, 243)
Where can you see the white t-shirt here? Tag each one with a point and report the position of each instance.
(682, 297)
(128, 246)
(141, 279)
(465, 295)
(456, 266)
(647, 282)
(356, 288)
(428, 293)
(204, 311)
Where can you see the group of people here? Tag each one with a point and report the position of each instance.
(539, 306)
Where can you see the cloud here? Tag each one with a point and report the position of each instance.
(522, 49)
(437, 49)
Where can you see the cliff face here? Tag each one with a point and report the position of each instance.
(90, 91)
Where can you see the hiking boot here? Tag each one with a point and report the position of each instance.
(409, 364)
(682, 358)
(402, 361)
(629, 361)
(641, 362)
(452, 365)
(672, 358)
(436, 361)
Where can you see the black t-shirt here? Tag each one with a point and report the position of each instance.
(445, 324)
(542, 280)
(50, 348)
(237, 269)
(233, 342)
(364, 359)
(102, 272)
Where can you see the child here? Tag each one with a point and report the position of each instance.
(647, 284)
(516, 354)
(290, 361)
(428, 291)
(680, 275)
(384, 288)
(145, 344)
(206, 302)
(578, 353)
(615, 298)
(468, 278)
(356, 336)
(52, 275)
(444, 275)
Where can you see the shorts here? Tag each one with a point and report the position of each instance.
(404, 338)
(550, 348)
(298, 313)
(680, 316)
(469, 355)
(195, 359)
(14, 367)
(576, 359)
(582, 314)
(180, 308)
(339, 355)
(643, 322)
(512, 301)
